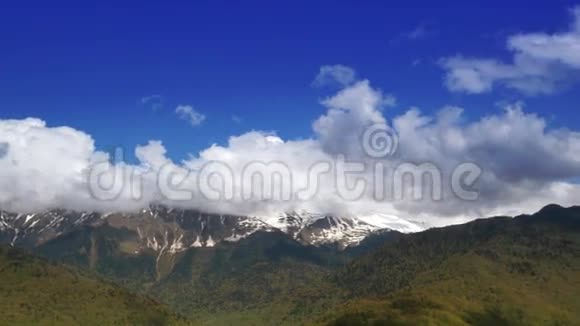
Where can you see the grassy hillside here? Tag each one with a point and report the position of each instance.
(34, 291)
(523, 271)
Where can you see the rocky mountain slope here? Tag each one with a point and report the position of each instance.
(166, 230)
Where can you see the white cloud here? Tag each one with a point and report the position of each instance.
(526, 164)
(155, 102)
(152, 155)
(42, 166)
(541, 63)
(417, 33)
(352, 109)
(237, 119)
(189, 114)
(336, 74)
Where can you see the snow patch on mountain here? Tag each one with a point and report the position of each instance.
(173, 230)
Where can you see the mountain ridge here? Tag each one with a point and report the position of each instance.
(168, 229)
(484, 270)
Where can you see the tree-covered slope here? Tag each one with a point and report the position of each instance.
(502, 271)
(496, 271)
(266, 277)
(34, 291)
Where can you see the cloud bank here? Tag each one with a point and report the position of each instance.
(541, 64)
(525, 163)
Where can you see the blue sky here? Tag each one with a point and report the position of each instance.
(88, 66)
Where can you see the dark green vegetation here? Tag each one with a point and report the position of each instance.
(266, 276)
(498, 271)
(34, 291)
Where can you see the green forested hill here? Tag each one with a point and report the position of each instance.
(497, 271)
(502, 271)
(265, 278)
(34, 291)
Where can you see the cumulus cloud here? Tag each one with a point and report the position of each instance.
(352, 109)
(334, 75)
(541, 64)
(42, 166)
(189, 114)
(525, 163)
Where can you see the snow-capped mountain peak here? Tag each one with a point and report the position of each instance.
(165, 229)
(319, 229)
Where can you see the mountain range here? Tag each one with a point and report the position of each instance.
(167, 230)
(307, 269)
